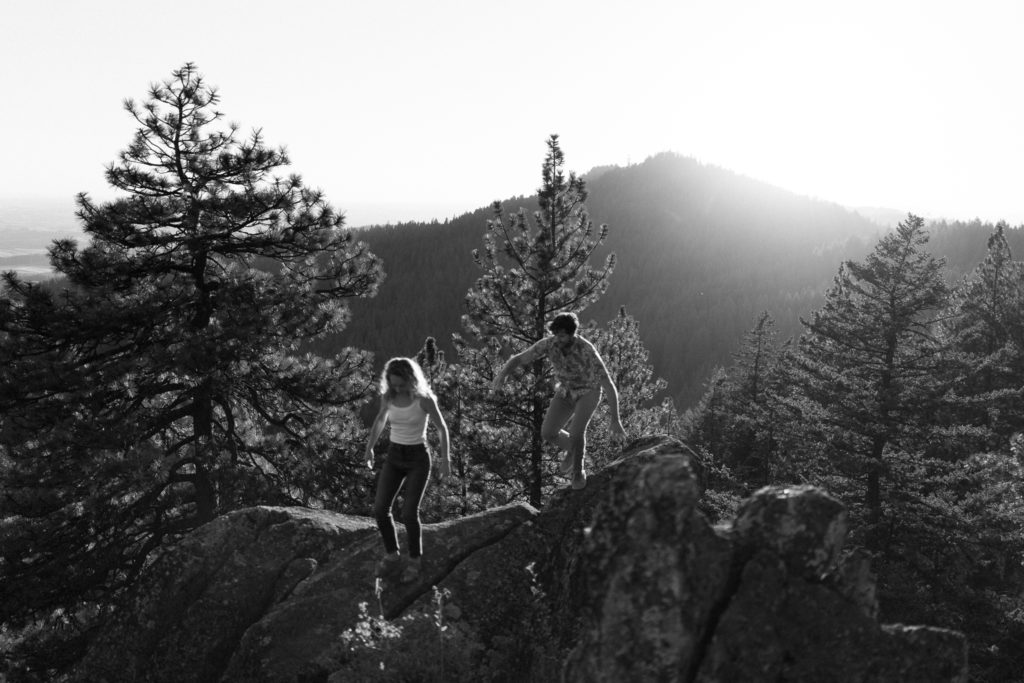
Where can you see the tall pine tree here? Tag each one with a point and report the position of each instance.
(986, 328)
(531, 271)
(869, 371)
(626, 358)
(742, 427)
(168, 382)
(459, 494)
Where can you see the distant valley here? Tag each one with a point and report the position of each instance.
(27, 227)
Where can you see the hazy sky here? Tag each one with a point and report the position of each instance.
(435, 107)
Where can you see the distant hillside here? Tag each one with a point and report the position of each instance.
(965, 244)
(886, 218)
(701, 251)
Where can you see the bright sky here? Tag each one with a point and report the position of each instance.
(433, 108)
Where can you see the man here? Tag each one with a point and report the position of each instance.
(581, 375)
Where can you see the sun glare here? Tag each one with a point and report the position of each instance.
(906, 103)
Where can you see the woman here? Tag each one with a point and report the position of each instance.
(407, 402)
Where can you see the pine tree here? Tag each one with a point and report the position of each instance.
(741, 421)
(754, 404)
(459, 494)
(868, 370)
(707, 424)
(986, 329)
(756, 358)
(168, 383)
(872, 389)
(432, 360)
(626, 358)
(531, 271)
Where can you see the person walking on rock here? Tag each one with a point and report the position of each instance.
(408, 403)
(581, 375)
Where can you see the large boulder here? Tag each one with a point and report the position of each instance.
(624, 580)
(797, 612)
(262, 594)
(649, 573)
(184, 621)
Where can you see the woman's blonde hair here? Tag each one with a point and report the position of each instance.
(411, 372)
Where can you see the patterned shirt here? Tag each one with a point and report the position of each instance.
(578, 368)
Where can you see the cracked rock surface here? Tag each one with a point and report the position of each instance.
(624, 580)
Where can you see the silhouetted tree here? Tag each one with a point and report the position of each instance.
(531, 271)
(743, 425)
(626, 358)
(754, 430)
(460, 494)
(167, 383)
(986, 329)
(868, 371)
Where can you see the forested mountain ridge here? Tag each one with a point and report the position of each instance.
(700, 250)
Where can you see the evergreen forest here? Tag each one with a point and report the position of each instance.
(701, 252)
(216, 344)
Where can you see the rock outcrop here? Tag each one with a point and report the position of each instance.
(622, 581)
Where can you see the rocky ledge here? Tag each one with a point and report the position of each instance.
(623, 581)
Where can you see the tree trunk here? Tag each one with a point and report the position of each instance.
(202, 430)
(873, 494)
(536, 453)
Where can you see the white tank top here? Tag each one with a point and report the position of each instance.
(408, 424)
